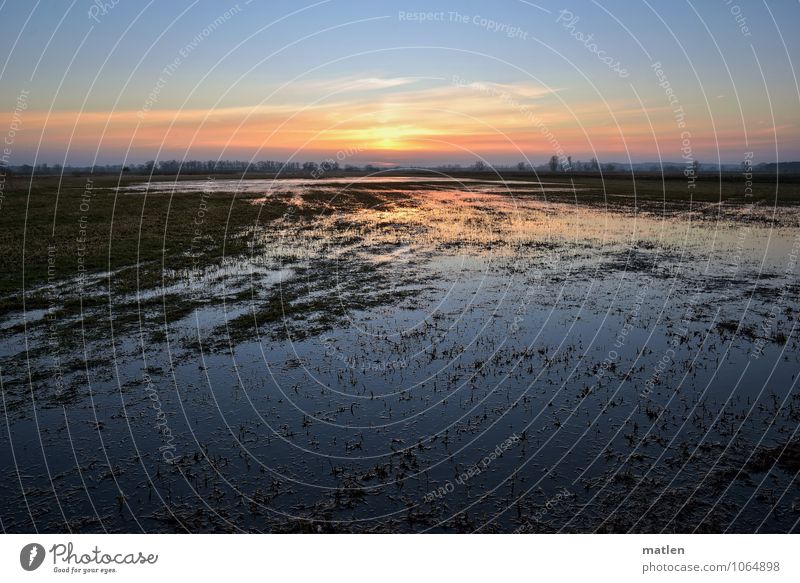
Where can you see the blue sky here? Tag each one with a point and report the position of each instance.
(252, 86)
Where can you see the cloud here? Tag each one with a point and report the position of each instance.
(380, 114)
(348, 84)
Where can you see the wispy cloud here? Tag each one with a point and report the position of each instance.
(378, 114)
(347, 84)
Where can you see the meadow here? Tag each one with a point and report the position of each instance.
(403, 352)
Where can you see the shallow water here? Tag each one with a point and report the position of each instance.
(453, 357)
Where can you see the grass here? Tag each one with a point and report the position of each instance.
(317, 300)
(134, 234)
(653, 187)
(42, 221)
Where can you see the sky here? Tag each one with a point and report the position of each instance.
(398, 82)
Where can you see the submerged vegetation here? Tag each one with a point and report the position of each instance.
(400, 353)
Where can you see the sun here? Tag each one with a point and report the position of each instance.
(384, 136)
(391, 137)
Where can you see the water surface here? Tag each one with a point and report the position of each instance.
(423, 354)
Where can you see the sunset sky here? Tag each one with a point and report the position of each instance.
(84, 82)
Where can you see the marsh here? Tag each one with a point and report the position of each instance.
(401, 354)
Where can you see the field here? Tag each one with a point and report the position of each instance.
(400, 353)
(139, 230)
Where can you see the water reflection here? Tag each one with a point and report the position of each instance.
(385, 337)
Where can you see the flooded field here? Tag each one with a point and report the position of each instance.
(413, 355)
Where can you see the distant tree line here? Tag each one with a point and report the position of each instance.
(171, 167)
(567, 165)
(326, 167)
(554, 164)
(163, 167)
